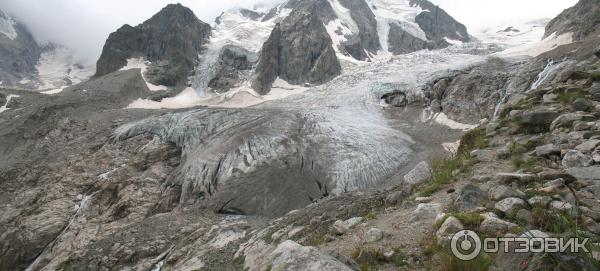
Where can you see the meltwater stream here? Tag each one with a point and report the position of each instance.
(330, 139)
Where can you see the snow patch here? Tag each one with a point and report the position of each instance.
(140, 63)
(514, 33)
(538, 48)
(8, 98)
(52, 91)
(453, 42)
(7, 26)
(443, 119)
(235, 98)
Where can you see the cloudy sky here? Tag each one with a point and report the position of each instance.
(85, 24)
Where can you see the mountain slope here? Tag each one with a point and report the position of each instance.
(18, 50)
(581, 19)
(172, 39)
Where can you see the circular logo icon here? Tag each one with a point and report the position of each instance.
(465, 245)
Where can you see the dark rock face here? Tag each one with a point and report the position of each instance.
(472, 94)
(396, 98)
(233, 62)
(172, 39)
(18, 56)
(299, 50)
(367, 38)
(437, 24)
(402, 42)
(581, 19)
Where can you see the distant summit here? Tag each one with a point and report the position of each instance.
(172, 40)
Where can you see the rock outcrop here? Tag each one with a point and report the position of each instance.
(172, 40)
(581, 20)
(299, 50)
(438, 25)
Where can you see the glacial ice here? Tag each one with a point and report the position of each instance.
(334, 133)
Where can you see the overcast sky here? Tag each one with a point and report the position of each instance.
(85, 24)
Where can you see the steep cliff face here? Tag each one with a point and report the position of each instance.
(19, 52)
(172, 39)
(581, 19)
(439, 25)
(299, 50)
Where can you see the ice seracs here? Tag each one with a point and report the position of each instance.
(58, 67)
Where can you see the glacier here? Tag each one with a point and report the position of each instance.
(328, 139)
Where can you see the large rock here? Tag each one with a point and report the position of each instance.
(450, 226)
(510, 204)
(299, 50)
(232, 64)
(581, 104)
(493, 224)
(585, 173)
(547, 150)
(290, 256)
(574, 158)
(172, 40)
(418, 175)
(566, 120)
(501, 192)
(427, 211)
(538, 118)
(469, 198)
(588, 145)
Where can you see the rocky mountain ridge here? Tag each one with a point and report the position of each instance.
(372, 169)
(172, 39)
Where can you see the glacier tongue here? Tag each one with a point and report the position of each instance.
(326, 140)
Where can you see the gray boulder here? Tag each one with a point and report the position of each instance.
(418, 175)
(493, 224)
(501, 192)
(547, 150)
(450, 226)
(289, 256)
(581, 104)
(585, 173)
(299, 50)
(469, 198)
(538, 118)
(574, 158)
(588, 145)
(373, 235)
(510, 204)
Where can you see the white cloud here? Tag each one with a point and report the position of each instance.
(85, 24)
(479, 14)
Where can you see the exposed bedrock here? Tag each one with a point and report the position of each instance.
(172, 40)
(581, 19)
(299, 50)
(248, 161)
(234, 64)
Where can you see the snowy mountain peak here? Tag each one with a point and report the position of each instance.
(7, 26)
